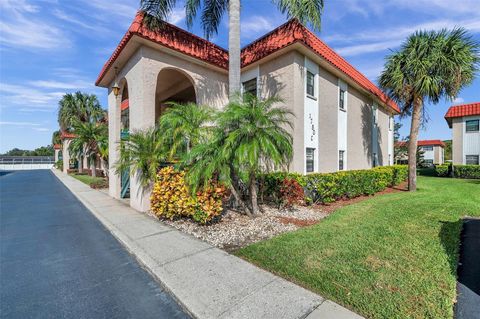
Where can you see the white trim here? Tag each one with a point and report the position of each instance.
(250, 75)
(311, 115)
(342, 125)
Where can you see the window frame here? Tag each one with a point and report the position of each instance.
(427, 148)
(477, 126)
(472, 155)
(342, 99)
(311, 161)
(244, 91)
(314, 91)
(341, 160)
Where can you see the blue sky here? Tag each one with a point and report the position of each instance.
(50, 47)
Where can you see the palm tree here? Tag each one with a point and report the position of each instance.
(88, 134)
(306, 11)
(183, 126)
(430, 65)
(251, 138)
(78, 106)
(56, 139)
(142, 153)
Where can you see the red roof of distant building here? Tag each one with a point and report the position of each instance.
(287, 34)
(423, 143)
(64, 135)
(57, 146)
(462, 110)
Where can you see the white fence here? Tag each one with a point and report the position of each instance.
(14, 163)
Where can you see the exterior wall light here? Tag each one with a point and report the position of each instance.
(115, 87)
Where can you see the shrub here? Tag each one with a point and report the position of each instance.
(171, 199)
(329, 187)
(99, 183)
(291, 192)
(59, 165)
(466, 171)
(442, 170)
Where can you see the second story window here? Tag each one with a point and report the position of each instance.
(250, 86)
(472, 125)
(310, 84)
(427, 148)
(341, 100)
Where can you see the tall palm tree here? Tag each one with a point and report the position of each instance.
(183, 126)
(430, 65)
(88, 134)
(78, 106)
(142, 153)
(251, 138)
(212, 11)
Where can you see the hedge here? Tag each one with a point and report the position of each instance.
(329, 187)
(466, 171)
(442, 170)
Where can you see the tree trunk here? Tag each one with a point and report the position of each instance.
(233, 48)
(93, 166)
(236, 192)
(412, 144)
(80, 164)
(253, 194)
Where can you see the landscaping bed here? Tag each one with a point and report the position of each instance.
(390, 256)
(93, 182)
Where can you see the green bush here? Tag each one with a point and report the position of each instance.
(59, 165)
(466, 171)
(442, 170)
(329, 187)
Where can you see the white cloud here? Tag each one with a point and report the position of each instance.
(18, 123)
(177, 15)
(367, 48)
(22, 28)
(28, 96)
(61, 85)
(42, 129)
(458, 100)
(253, 25)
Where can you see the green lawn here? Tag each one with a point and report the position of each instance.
(89, 180)
(391, 256)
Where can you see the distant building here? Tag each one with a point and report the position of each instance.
(433, 152)
(464, 121)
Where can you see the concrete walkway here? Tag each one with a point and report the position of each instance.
(207, 281)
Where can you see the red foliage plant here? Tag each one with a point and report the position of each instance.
(291, 192)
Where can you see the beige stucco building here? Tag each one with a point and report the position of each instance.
(433, 152)
(342, 120)
(464, 121)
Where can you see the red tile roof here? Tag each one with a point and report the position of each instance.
(124, 105)
(462, 110)
(57, 146)
(287, 34)
(422, 143)
(174, 38)
(65, 135)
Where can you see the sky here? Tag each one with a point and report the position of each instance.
(52, 47)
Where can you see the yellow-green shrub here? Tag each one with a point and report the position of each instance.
(171, 199)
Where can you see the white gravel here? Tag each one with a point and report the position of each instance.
(236, 230)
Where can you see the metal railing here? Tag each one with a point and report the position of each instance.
(26, 162)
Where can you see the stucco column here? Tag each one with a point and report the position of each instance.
(142, 81)
(114, 183)
(57, 151)
(66, 155)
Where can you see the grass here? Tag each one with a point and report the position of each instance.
(391, 256)
(90, 180)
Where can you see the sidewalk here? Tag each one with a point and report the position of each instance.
(206, 281)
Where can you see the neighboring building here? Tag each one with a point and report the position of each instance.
(66, 139)
(464, 121)
(342, 120)
(433, 152)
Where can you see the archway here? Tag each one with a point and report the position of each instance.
(124, 133)
(173, 85)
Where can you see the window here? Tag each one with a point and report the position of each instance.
(375, 160)
(428, 162)
(341, 159)
(310, 159)
(310, 84)
(250, 86)
(471, 160)
(427, 148)
(472, 125)
(341, 104)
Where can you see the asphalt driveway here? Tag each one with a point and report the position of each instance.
(58, 261)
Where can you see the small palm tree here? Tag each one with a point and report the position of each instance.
(212, 12)
(183, 126)
(430, 65)
(86, 141)
(251, 138)
(142, 153)
(78, 106)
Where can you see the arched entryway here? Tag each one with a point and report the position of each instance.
(124, 133)
(173, 85)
